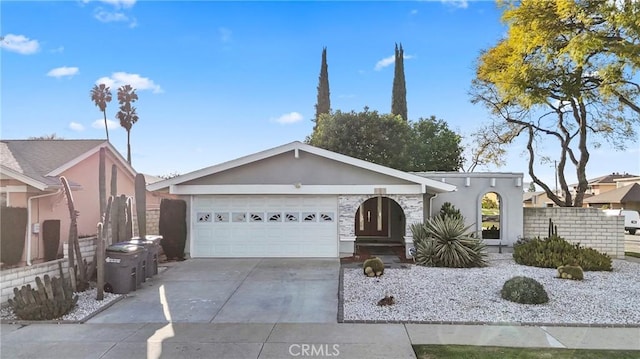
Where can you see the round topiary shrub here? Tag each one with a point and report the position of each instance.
(524, 290)
(373, 267)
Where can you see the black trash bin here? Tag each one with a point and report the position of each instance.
(152, 245)
(121, 267)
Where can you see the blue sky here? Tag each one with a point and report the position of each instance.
(219, 80)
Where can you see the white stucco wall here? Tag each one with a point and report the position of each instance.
(471, 187)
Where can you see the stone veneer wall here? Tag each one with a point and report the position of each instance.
(153, 221)
(412, 205)
(17, 277)
(589, 226)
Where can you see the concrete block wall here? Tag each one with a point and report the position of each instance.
(153, 221)
(17, 277)
(589, 226)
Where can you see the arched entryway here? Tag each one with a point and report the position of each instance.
(491, 215)
(380, 225)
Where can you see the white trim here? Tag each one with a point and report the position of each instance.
(118, 157)
(291, 189)
(434, 186)
(24, 179)
(13, 189)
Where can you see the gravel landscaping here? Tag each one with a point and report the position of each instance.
(86, 307)
(425, 294)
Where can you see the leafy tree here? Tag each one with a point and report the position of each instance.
(101, 95)
(52, 136)
(127, 114)
(488, 203)
(565, 72)
(399, 95)
(367, 135)
(434, 146)
(532, 187)
(323, 104)
(388, 140)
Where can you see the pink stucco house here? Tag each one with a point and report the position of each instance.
(29, 178)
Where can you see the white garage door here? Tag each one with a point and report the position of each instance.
(264, 226)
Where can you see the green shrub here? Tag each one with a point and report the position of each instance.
(446, 242)
(570, 272)
(373, 267)
(555, 251)
(13, 227)
(449, 210)
(524, 290)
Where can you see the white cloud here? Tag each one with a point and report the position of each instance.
(111, 124)
(225, 34)
(460, 4)
(389, 61)
(385, 62)
(62, 72)
(120, 3)
(287, 118)
(103, 15)
(58, 50)
(136, 81)
(20, 44)
(76, 126)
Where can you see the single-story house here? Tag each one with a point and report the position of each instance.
(297, 200)
(625, 197)
(30, 173)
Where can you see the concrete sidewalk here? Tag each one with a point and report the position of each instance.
(284, 340)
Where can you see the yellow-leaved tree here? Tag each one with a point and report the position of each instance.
(565, 72)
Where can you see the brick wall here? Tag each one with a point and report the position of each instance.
(589, 226)
(17, 277)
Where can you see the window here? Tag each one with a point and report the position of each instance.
(326, 217)
(274, 217)
(222, 217)
(309, 217)
(256, 217)
(204, 217)
(291, 217)
(239, 217)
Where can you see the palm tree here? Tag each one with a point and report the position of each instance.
(127, 114)
(100, 95)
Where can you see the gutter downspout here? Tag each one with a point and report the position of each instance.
(59, 191)
(431, 204)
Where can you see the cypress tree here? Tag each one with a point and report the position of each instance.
(323, 104)
(399, 95)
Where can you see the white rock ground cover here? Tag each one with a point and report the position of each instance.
(87, 305)
(425, 294)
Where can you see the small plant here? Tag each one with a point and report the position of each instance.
(555, 251)
(373, 267)
(449, 210)
(570, 272)
(524, 290)
(53, 299)
(446, 242)
(387, 300)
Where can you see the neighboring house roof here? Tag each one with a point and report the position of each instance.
(528, 196)
(610, 178)
(432, 185)
(624, 194)
(39, 163)
(149, 179)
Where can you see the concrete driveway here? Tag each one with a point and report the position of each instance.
(253, 290)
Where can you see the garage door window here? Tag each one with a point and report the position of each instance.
(239, 217)
(222, 217)
(291, 217)
(204, 217)
(274, 217)
(256, 217)
(326, 217)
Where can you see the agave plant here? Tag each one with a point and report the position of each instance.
(446, 242)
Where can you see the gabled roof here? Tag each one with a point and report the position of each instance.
(607, 179)
(432, 185)
(38, 163)
(623, 194)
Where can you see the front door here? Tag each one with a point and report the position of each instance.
(372, 218)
